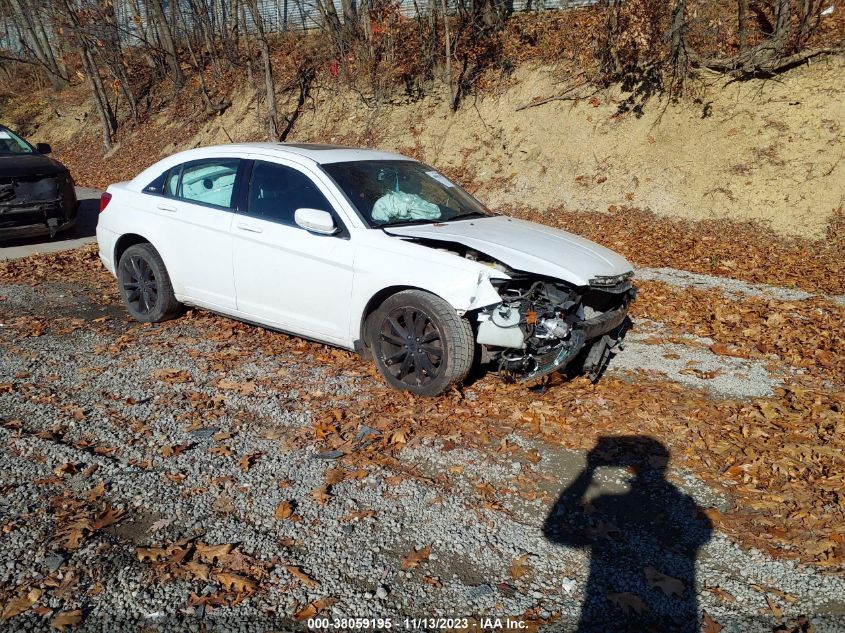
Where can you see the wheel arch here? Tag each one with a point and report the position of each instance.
(125, 241)
(375, 301)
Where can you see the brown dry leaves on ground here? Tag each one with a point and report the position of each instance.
(740, 250)
(779, 459)
(803, 334)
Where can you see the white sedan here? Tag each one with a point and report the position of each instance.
(366, 250)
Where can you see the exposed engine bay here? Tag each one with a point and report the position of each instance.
(543, 324)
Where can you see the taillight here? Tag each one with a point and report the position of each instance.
(105, 198)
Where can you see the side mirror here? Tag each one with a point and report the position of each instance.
(43, 148)
(315, 221)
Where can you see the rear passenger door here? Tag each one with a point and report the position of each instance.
(284, 275)
(199, 199)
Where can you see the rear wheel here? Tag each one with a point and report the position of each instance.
(419, 343)
(145, 285)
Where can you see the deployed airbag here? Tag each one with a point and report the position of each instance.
(397, 205)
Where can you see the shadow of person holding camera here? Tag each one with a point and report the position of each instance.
(644, 536)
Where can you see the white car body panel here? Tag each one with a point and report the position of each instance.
(527, 247)
(321, 286)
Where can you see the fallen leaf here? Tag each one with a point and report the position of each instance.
(670, 586)
(321, 495)
(628, 602)
(432, 581)
(335, 476)
(358, 515)
(709, 625)
(773, 607)
(213, 553)
(151, 554)
(244, 388)
(97, 491)
(67, 619)
(284, 510)
(519, 567)
(313, 608)
(169, 450)
(235, 583)
(297, 572)
(248, 460)
(416, 557)
(197, 570)
(172, 376)
(224, 451)
(108, 517)
(20, 604)
(65, 469)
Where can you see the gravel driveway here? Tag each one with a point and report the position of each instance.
(208, 475)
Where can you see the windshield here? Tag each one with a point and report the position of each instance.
(391, 192)
(11, 143)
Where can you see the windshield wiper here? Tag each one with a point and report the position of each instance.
(466, 216)
(408, 223)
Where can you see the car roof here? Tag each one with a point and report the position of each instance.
(319, 153)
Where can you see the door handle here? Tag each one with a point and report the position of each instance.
(166, 207)
(250, 228)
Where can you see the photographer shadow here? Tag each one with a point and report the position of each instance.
(644, 536)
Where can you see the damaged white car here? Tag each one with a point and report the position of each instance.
(366, 250)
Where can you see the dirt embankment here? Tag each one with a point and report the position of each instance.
(766, 150)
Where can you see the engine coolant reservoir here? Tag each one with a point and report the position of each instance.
(500, 327)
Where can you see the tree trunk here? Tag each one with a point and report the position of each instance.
(165, 36)
(98, 96)
(145, 39)
(448, 39)
(25, 18)
(742, 15)
(267, 62)
(781, 34)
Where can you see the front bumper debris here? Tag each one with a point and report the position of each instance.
(605, 327)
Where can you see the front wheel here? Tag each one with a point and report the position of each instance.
(145, 285)
(419, 343)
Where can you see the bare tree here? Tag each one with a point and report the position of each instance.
(165, 35)
(267, 63)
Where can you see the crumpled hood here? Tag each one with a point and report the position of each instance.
(526, 246)
(29, 165)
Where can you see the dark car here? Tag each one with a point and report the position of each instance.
(37, 194)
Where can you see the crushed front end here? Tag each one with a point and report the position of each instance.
(36, 205)
(542, 325)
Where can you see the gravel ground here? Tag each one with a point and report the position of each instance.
(154, 440)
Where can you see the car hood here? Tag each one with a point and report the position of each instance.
(525, 246)
(23, 165)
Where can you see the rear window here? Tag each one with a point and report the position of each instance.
(209, 181)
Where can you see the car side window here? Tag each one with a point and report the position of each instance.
(171, 183)
(209, 181)
(156, 185)
(277, 191)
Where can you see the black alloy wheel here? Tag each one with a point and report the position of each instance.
(140, 286)
(145, 285)
(411, 346)
(419, 342)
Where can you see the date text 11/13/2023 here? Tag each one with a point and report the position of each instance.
(377, 624)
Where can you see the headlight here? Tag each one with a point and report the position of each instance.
(605, 281)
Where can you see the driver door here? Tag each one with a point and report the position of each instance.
(285, 276)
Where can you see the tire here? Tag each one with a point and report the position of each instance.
(414, 317)
(145, 285)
